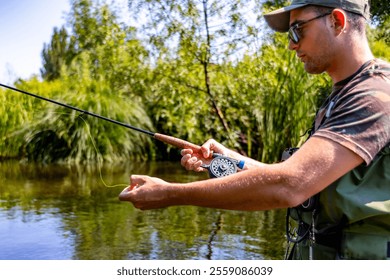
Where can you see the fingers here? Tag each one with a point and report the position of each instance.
(190, 160)
(191, 163)
(206, 149)
(186, 152)
(193, 160)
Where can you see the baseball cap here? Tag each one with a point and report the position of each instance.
(279, 20)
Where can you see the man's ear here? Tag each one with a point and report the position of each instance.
(339, 19)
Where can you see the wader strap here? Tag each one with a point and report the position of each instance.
(290, 254)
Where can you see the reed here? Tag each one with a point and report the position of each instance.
(40, 131)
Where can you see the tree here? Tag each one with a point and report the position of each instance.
(380, 11)
(57, 54)
(204, 33)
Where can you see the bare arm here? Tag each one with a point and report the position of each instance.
(318, 163)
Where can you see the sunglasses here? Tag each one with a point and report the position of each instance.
(295, 31)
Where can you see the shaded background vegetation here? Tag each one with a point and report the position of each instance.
(191, 69)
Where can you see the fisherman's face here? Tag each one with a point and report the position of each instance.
(314, 47)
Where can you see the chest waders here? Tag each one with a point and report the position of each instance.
(350, 219)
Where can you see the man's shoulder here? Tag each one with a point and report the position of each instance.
(379, 65)
(376, 75)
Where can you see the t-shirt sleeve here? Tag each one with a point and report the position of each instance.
(360, 119)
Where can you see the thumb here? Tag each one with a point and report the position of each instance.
(125, 194)
(206, 149)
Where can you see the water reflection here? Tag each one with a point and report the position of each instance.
(65, 212)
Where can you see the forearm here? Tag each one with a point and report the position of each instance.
(250, 191)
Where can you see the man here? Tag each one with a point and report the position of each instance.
(337, 185)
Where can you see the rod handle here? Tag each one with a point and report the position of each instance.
(179, 143)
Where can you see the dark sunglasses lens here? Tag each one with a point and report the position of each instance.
(292, 34)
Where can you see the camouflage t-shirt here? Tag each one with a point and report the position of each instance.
(357, 112)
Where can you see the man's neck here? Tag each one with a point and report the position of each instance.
(349, 61)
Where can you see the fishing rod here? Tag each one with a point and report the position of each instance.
(219, 166)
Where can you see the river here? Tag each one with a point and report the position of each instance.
(64, 212)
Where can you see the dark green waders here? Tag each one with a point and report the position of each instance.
(351, 219)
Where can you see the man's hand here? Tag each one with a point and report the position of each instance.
(145, 192)
(194, 160)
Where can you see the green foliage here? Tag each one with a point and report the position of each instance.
(380, 49)
(56, 134)
(15, 111)
(270, 100)
(57, 54)
(208, 27)
(380, 14)
(380, 10)
(190, 69)
(270, 5)
(197, 35)
(289, 99)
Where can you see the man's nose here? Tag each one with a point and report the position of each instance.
(291, 45)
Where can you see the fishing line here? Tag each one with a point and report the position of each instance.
(99, 157)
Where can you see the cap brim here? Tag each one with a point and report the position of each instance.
(279, 20)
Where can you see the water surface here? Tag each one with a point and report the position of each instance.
(65, 212)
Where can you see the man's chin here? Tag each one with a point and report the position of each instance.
(313, 69)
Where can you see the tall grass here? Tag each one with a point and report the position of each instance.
(289, 101)
(16, 113)
(41, 131)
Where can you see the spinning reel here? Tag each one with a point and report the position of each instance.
(222, 166)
